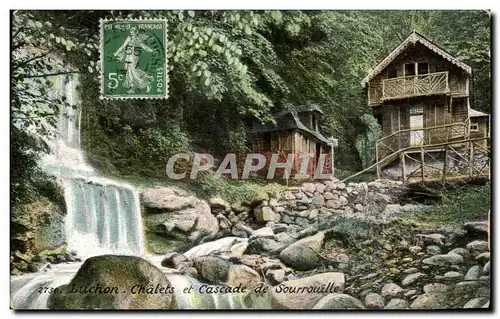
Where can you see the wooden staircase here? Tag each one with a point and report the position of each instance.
(442, 146)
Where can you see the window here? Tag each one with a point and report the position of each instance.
(392, 71)
(474, 127)
(409, 69)
(423, 68)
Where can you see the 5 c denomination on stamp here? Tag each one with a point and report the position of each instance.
(134, 59)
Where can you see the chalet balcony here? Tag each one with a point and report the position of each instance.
(416, 85)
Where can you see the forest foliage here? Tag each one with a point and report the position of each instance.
(226, 68)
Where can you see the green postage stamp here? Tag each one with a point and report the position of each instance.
(134, 59)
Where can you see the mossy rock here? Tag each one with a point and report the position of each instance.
(115, 282)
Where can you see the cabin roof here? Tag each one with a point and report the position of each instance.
(413, 38)
(280, 123)
(476, 113)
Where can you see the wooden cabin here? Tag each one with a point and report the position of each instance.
(479, 125)
(419, 94)
(293, 131)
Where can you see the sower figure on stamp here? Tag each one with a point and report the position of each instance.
(129, 52)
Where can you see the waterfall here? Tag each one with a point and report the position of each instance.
(103, 216)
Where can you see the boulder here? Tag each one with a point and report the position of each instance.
(460, 251)
(397, 304)
(412, 278)
(115, 282)
(453, 276)
(275, 276)
(320, 187)
(304, 254)
(478, 246)
(212, 269)
(308, 187)
(475, 303)
(433, 250)
(173, 260)
(266, 214)
(435, 287)
(191, 222)
(241, 274)
(432, 239)
(265, 246)
(444, 260)
(293, 294)
(477, 228)
(318, 200)
(227, 246)
(486, 268)
(473, 273)
(241, 230)
(169, 199)
(219, 203)
(429, 301)
(483, 257)
(374, 301)
(391, 290)
(338, 301)
(262, 232)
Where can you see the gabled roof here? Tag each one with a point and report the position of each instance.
(476, 113)
(281, 121)
(413, 38)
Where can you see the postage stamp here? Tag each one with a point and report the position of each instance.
(134, 59)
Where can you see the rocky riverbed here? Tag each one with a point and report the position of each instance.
(320, 246)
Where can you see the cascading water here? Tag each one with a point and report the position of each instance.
(103, 216)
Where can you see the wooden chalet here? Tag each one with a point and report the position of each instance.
(419, 94)
(293, 131)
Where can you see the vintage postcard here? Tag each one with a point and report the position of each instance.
(250, 159)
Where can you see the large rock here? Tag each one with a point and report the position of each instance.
(212, 269)
(304, 254)
(374, 301)
(432, 239)
(219, 204)
(412, 278)
(227, 247)
(241, 274)
(266, 214)
(444, 260)
(397, 304)
(294, 294)
(477, 228)
(429, 301)
(339, 301)
(172, 213)
(473, 273)
(115, 282)
(391, 290)
(478, 246)
(165, 198)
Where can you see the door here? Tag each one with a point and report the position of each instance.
(416, 123)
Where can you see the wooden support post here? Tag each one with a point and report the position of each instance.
(471, 158)
(403, 166)
(445, 163)
(376, 160)
(422, 159)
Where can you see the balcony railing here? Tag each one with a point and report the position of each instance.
(416, 85)
(421, 137)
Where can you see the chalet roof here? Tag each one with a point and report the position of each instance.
(413, 38)
(476, 113)
(289, 120)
